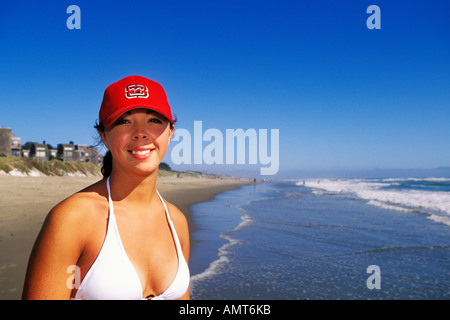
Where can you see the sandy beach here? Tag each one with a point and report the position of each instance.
(25, 202)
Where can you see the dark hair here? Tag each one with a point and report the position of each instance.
(107, 164)
(108, 159)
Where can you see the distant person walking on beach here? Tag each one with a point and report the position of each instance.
(118, 238)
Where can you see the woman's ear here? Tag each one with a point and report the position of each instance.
(103, 137)
(171, 130)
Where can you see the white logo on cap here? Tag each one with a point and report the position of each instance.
(136, 91)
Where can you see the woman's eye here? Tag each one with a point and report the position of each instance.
(155, 120)
(122, 121)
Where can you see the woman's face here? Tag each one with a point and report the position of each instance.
(138, 140)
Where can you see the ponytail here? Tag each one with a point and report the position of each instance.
(107, 159)
(107, 164)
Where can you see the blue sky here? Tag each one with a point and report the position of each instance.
(342, 96)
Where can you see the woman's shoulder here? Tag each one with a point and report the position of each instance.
(176, 215)
(180, 223)
(88, 204)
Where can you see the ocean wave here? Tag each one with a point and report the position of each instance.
(383, 205)
(440, 219)
(398, 249)
(216, 266)
(386, 193)
(404, 248)
(418, 179)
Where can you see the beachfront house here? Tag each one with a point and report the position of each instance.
(65, 152)
(39, 151)
(16, 147)
(53, 153)
(9, 143)
(85, 153)
(81, 153)
(94, 156)
(5, 141)
(10, 146)
(25, 153)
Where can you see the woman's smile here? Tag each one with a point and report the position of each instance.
(141, 153)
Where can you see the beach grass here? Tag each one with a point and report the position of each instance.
(54, 167)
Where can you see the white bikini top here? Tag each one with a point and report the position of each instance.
(112, 275)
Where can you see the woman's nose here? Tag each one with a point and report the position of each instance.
(140, 134)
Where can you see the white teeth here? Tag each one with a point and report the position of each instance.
(141, 152)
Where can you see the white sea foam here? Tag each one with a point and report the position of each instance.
(435, 203)
(217, 266)
(389, 206)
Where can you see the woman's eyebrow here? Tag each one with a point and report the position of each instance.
(130, 112)
(155, 114)
(148, 112)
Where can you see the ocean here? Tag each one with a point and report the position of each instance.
(324, 239)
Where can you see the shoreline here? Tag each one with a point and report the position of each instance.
(194, 191)
(26, 201)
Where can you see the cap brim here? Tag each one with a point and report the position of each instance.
(113, 117)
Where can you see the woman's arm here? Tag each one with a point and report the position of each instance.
(181, 226)
(55, 254)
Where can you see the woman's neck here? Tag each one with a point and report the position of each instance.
(137, 190)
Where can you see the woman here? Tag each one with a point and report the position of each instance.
(118, 238)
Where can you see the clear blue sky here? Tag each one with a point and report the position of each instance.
(341, 95)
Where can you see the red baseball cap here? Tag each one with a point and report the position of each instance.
(130, 93)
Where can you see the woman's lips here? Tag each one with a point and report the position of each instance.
(141, 153)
